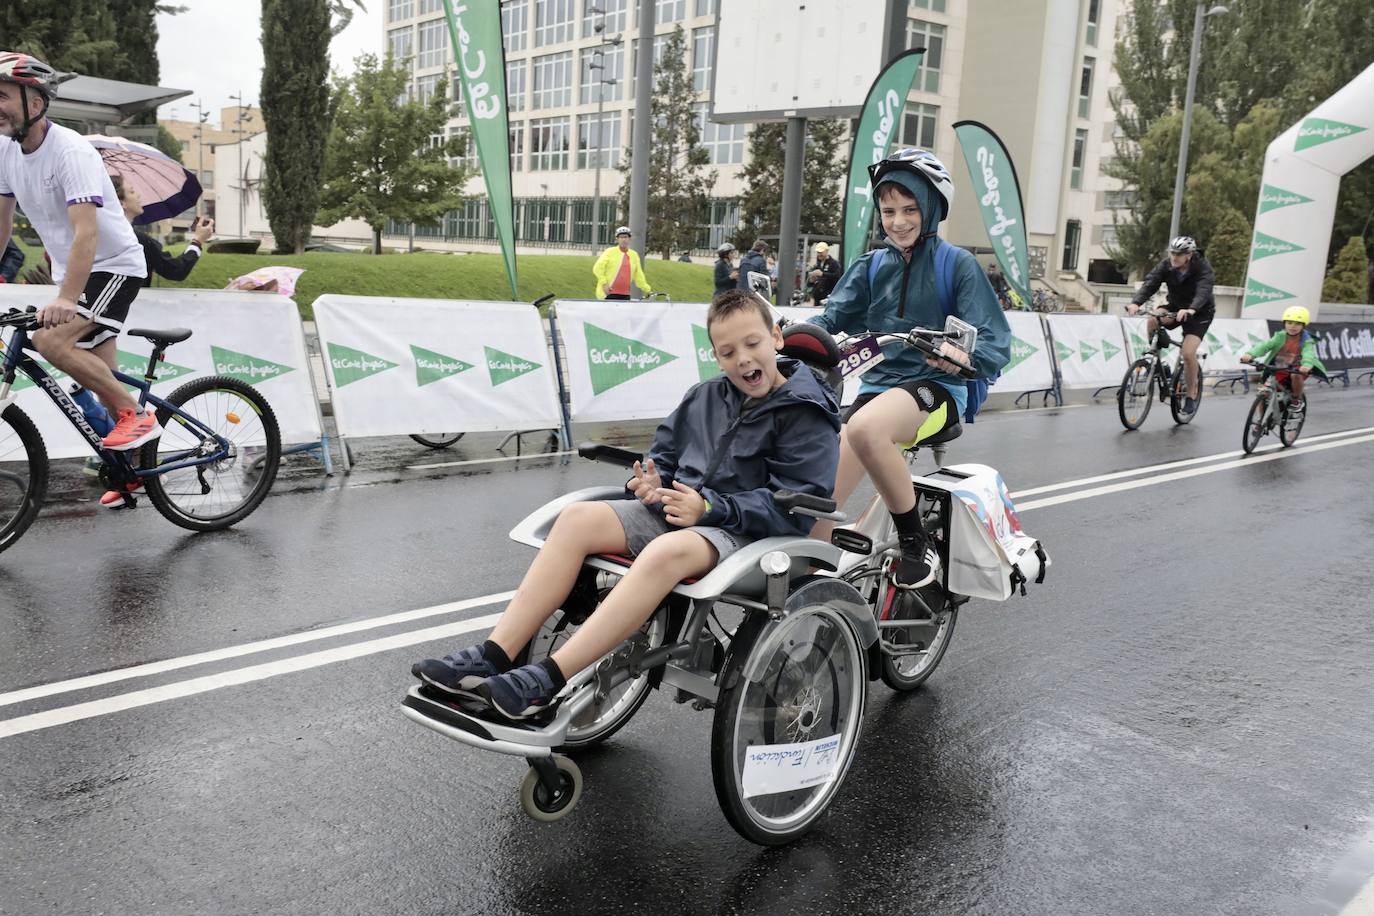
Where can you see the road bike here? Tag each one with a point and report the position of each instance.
(1272, 407)
(212, 466)
(1150, 372)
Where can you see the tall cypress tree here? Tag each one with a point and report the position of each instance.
(295, 109)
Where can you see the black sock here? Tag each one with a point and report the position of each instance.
(909, 523)
(496, 655)
(555, 675)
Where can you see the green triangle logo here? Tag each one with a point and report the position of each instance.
(1086, 350)
(1273, 197)
(1212, 342)
(1138, 344)
(352, 365)
(615, 360)
(251, 369)
(1254, 338)
(431, 366)
(502, 367)
(1316, 131)
(1020, 352)
(1109, 350)
(1235, 345)
(707, 367)
(1267, 245)
(135, 365)
(1063, 351)
(22, 381)
(1257, 293)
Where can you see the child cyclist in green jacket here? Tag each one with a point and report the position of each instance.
(908, 398)
(1292, 348)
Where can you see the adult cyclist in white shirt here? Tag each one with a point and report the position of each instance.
(59, 181)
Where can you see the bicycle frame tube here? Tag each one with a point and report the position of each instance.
(16, 360)
(175, 462)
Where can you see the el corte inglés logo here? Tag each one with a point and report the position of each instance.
(1316, 131)
(707, 367)
(352, 365)
(1267, 245)
(615, 360)
(1257, 293)
(135, 365)
(1109, 350)
(1272, 198)
(1086, 350)
(503, 366)
(1020, 352)
(431, 367)
(1063, 351)
(245, 368)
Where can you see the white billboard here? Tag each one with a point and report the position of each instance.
(784, 58)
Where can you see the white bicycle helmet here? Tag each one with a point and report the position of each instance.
(919, 162)
(1184, 244)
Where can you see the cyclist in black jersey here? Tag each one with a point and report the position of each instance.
(1189, 279)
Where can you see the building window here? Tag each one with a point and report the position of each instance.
(660, 42)
(517, 147)
(473, 221)
(399, 45)
(1072, 230)
(1094, 13)
(1080, 153)
(598, 142)
(553, 21)
(706, 7)
(725, 142)
(670, 11)
(918, 125)
(1106, 236)
(928, 35)
(515, 85)
(397, 10)
(935, 6)
(1085, 87)
(703, 48)
(207, 179)
(609, 79)
(469, 157)
(548, 144)
(515, 23)
(426, 86)
(433, 41)
(1119, 200)
(613, 14)
(545, 220)
(552, 80)
(431, 6)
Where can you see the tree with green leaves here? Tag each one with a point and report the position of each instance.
(295, 110)
(822, 170)
(110, 39)
(1228, 250)
(381, 163)
(1347, 281)
(679, 182)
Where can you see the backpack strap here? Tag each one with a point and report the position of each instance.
(873, 264)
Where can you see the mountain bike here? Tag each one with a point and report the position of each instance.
(1273, 406)
(212, 466)
(1136, 394)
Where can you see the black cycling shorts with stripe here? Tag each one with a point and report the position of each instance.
(106, 301)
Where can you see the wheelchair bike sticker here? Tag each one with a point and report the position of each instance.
(773, 768)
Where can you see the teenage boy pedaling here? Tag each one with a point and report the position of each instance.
(908, 398)
(766, 424)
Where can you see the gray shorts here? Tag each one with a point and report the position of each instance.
(643, 524)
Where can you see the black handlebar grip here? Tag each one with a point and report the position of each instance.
(544, 298)
(787, 501)
(929, 349)
(596, 451)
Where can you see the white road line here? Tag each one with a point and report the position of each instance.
(134, 699)
(1180, 475)
(201, 658)
(456, 464)
(1187, 462)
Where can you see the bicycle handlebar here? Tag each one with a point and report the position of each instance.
(788, 501)
(597, 451)
(924, 340)
(24, 319)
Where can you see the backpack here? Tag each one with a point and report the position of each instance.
(945, 257)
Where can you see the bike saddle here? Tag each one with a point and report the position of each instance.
(162, 338)
(943, 436)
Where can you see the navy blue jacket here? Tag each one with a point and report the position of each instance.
(789, 442)
(752, 261)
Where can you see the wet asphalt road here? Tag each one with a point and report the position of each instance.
(1180, 720)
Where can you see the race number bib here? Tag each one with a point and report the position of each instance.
(858, 356)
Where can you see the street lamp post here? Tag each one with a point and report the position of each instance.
(599, 63)
(202, 116)
(1182, 172)
(242, 179)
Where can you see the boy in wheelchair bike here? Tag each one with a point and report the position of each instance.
(1294, 348)
(706, 489)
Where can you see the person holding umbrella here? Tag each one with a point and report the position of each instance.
(154, 255)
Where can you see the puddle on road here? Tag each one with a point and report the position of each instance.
(1349, 891)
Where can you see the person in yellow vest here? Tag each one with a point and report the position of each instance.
(616, 267)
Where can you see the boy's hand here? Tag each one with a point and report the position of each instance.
(948, 349)
(646, 484)
(682, 506)
(1246, 358)
(1305, 370)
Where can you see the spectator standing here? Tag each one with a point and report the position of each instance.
(617, 267)
(824, 274)
(756, 261)
(157, 259)
(12, 258)
(727, 275)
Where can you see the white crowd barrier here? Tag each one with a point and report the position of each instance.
(400, 366)
(1031, 368)
(255, 337)
(1090, 350)
(1228, 338)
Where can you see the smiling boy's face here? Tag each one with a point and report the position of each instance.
(1294, 328)
(900, 213)
(747, 351)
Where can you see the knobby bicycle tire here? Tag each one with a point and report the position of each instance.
(1254, 431)
(1180, 391)
(30, 486)
(259, 465)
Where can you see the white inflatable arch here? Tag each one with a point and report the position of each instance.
(1297, 201)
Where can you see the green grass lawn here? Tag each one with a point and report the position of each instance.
(436, 276)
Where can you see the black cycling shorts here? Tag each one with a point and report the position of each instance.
(1197, 323)
(931, 397)
(106, 300)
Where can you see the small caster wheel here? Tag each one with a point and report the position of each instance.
(543, 805)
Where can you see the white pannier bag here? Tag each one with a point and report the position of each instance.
(984, 550)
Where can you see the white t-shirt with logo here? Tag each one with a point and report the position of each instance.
(67, 170)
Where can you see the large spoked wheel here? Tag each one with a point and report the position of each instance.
(436, 440)
(1254, 424)
(787, 721)
(219, 493)
(23, 474)
(1136, 394)
(609, 713)
(912, 653)
(1290, 426)
(543, 805)
(1179, 395)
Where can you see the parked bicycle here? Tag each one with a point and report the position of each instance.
(1150, 372)
(1042, 300)
(1272, 407)
(213, 465)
